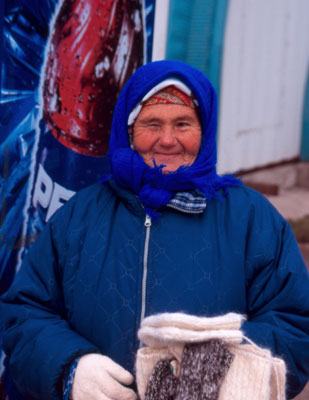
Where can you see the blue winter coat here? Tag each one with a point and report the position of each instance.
(81, 288)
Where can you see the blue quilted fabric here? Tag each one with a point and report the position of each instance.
(80, 288)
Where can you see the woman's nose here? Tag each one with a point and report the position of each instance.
(167, 137)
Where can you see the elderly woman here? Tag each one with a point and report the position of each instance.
(162, 233)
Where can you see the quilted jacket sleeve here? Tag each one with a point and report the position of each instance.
(278, 295)
(37, 337)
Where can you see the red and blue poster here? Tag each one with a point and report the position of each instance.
(62, 66)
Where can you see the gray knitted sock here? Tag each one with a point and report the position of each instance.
(203, 367)
(162, 383)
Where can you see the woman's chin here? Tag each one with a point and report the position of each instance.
(169, 166)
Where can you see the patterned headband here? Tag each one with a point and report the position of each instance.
(170, 95)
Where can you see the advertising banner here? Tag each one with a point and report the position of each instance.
(62, 66)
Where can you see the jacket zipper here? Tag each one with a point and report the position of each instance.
(147, 224)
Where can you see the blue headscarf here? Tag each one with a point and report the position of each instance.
(128, 168)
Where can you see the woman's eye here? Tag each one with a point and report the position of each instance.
(182, 124)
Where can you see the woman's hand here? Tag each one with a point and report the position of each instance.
(98, 377)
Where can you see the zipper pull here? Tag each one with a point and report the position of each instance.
(147, 221)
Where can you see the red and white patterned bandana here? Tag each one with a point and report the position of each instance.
(171, 95)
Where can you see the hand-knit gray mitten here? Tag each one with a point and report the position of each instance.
(202, 370)
(162, 383)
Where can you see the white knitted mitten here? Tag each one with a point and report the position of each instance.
(99, 377)
(169, 328)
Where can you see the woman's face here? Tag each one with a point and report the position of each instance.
(168, 133)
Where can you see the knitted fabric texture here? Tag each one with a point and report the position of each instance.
(203, 367)
(147, 359)
(253, 374)
(128, 168)
(168, 328)
(162, 384)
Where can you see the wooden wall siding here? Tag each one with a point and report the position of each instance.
(265, 59)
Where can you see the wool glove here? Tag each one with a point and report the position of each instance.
(203, 368)
(98, 377)
(166, 329)
(162, 384)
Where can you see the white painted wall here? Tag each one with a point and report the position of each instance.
(265, 60)
(160, 30)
